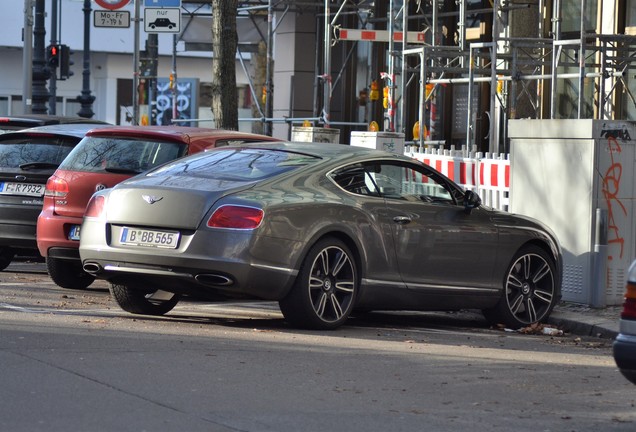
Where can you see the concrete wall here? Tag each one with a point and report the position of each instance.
(295, 55)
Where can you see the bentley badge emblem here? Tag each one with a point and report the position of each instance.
(150, 199)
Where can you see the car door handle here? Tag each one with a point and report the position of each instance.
(402, 220)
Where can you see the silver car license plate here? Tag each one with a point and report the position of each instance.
(149, 238)
(22, 189)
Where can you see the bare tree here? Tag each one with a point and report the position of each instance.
(224, 43)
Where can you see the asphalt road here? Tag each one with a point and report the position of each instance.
(73, 361)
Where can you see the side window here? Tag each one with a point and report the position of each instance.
(355, 180)
(412, 183)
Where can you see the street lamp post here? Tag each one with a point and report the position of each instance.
(41, 73)
(27, 56)
(85, 98)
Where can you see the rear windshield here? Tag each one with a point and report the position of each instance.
(236, 164)
(121, 155)
(16, 151)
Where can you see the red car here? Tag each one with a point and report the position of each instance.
(102, 159)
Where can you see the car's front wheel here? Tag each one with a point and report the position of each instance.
(530, 290)
(325, 290)
(68, 274)
(145, 302)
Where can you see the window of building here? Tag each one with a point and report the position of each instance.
(4, 105)
(630, 17)
(571, 15)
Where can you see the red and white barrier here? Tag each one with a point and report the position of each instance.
(486, 175)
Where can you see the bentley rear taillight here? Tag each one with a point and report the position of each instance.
(95, 206)
(236, 217)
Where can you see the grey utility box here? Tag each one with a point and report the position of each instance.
(577, 176)
(388, 141)
(315, 134)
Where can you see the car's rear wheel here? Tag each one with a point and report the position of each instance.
(325, 290)
(530, 290)
(68, 274)
(140, 301)
(6, 256)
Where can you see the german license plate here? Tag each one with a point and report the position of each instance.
(149, 238)
(22, 189)
(74, 233)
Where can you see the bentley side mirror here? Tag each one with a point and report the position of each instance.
(471, 201)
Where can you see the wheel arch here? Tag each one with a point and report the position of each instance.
(349, 240)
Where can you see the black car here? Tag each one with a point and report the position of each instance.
(13, 123)
(162, 22)
(27, 159)
(625, 343)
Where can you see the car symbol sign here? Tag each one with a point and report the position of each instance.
(162, 20)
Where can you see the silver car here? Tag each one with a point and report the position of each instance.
(321, 228)
(624, 347)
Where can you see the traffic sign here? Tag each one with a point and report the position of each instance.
(108, 18)
(162, 3)
(112, 4)
(162, 20)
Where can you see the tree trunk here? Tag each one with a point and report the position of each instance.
(224, 43)
(260, 76)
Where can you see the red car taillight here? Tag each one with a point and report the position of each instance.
(629, 305)
(95, 207)
(56, 188)
(236, 217)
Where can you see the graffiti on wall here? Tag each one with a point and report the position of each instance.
(611, 192)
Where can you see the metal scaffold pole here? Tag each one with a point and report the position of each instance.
(269, 86)
(390, 76)
(135, 89)
(582, 62)
(405, 27)
(326, 77)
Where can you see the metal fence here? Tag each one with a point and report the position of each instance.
(486, 174)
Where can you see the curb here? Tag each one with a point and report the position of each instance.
(580, 327)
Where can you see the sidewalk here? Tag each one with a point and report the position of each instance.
(583, 320)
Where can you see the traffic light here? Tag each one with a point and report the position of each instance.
(65, 61)
(53, 55)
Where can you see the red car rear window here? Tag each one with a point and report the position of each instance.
(123, 155)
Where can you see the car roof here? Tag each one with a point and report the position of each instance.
(66, 129)
(30, 120)
(328, 150)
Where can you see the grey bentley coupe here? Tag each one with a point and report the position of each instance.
(323, 229)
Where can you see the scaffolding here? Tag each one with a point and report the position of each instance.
(527, 72)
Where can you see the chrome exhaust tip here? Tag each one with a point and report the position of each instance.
(213, 279)
(92, 267)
